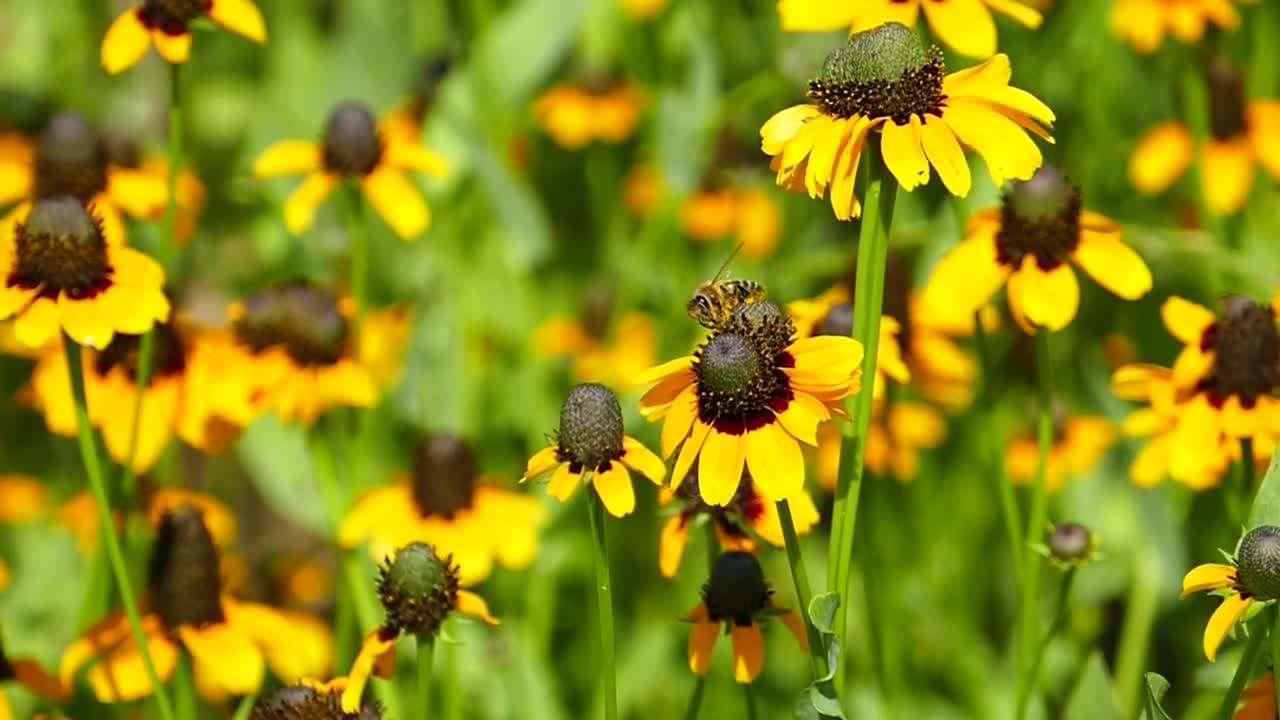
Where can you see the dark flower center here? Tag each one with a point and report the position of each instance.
(1259, 562)
(61, 250)
(300, 702)
(306, 320)
(591, 430)
(184, 580)
(418, 589)
(746, 503)
(738, 387)
(881, 72)
(1070, 542)
(172, 17)
(123, 151)
(444, 475)
(167, 354)
(1039, 217)
(6, 668)
(71, 159)
(597, 309)
(737, 590)
(1247, 346)
(1226, 100)
(352, 145)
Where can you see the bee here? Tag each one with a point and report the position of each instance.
(713, 302)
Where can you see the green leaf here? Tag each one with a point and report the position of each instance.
(1157, 686)
(1266, 504)
(817, 702)
(1093, 697)
(822, 612)
(538, 32)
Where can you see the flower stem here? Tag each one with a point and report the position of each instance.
(873, 248)
(245, 707)
(89, 455)
(1009, 510)
(750, 695)
(604, 611)
(426, 654)
(695, 700)
(357, 281)
(1059, 615)
(1244, 671)
(817, 652)
(1039, 507)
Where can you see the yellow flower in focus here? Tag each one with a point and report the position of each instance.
(577, 115)
(1027, 244)
(443, 502)
(966, 26)
(166, 24)
(353, 147)
(1251, 578)
(1078, 444)
(750, 214)
(1144, 23)
(884, 80)
(1243, 134)
(586, 341)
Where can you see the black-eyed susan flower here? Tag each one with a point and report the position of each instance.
(1078, 444)
(884, 80)
(748, 214)
(354, 148)
(749, 396)
(966, 26)
(32, 676)
(1144, 23)
(58, 274)
(418, 590)
(166, 24)
(406, 121)
(1243, 134)
(1259, 699)
(591, 443)
(444, 501)
(1029, 244)
(189, 192)
(609, 352)
(1250, 580)
(748, 512)
(71, 157)
(230, 642)
(311, 701)
(737, 601)
(577, 115)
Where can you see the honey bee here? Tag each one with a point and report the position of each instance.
(713, 302)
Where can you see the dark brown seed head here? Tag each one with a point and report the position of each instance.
(1259, 562)
(1039, 217)
(591, 429)
(418, 590)
(1247, 352)
(301, 702)
(737, 590)
(71, 159)
(881, 72)
(444, 475)
(352, 145)
(184, 575)
(60, 248)
(304, 319)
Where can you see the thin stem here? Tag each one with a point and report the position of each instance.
(1244, 671)
(1059, 615)
(1135, 633)
(426, 654)
(1039, 506)
(184, 692)
(604, 600)
(695, 700)
(750, 696)
(1009, 511)
(817, 652)
(452, 690)
(169, 244)
(245, 707)
(146, 351)
(89, 455)
(359, 255)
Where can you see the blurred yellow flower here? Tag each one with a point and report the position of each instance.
(897, 434)
(1144, 23)
(354, 147)
(642, 190)
(595, 359)
(750, 214)
(22, 499)
(1078, 444)
(642, 9)
(166, 24)
(27, 673)
(575, 116)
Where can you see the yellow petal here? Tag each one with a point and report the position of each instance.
(288, 157)
(689, 451)
(141, 194)
(1209, 576)
(642, 460)
(300, 208)
(1003, 145)
(816, 15)
(411, 156)
(900, 145)
(783, 125)
(85, 321)
(992, 72)
(225, 656)
(378, 649)
(173, 48)
(720, 467)
(121, 676)
(1160, 157)
(1263, 119)
(613, 485)
(1221, 622)
(563, 482)
(795, 624)
(775, 462)
(748, 651)
(671, 542)
(38, 324)
(295, 645)
(472, 604)
(125, 43)
(679, 421)
(1020, 13)
(1048, 299)
(1113, 264)
(1226, 174)
(542, 461)
(946, 155)
(966, 277)
(397, 201)
(241, 17)
(702, 640)
(964, 25)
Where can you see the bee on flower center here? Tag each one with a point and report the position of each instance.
(714, 301)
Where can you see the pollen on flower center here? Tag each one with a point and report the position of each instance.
(184, 578)
(60, 248)
(1247, 347)
(591, 429)
(306, 320)
(737, 589)
(738, 387)
(122, 352)
(444, 475)
(351, 142)
(881, 72)
(1226, 100)
(171, 17)
(1259, 562)
(71, 159)
(1039, 217)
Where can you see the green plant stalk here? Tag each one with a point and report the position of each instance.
(184, 691)
(750, 696)
(1059, 615)
(1010, 513)
(604, 600)
(245, 707)
(700, 683)
(426, 656)
(89, 455)
(695, 700)
(817, 650)
(1244, 671)
(873, 247)
(1135, 634)
(1036, 516)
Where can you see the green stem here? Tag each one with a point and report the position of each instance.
(245, 707)
(1135, 634)
(1009, 511)
(604, 601)
(817, 652)
(89, 454)
(184, 692)
(1059, 615)
(359, 255)
(426, 654)
(452, 688)
(1036, 517)
(169, 243)
(695, 700)
(752, 712)
(873, 245)
(1244, 671)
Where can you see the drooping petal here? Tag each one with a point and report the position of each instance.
(397, 201)
(613, 485)
(472, 604)
(377, 652)
(563, 482)
(995, 71)
(679, 421)
(295, 644)
(1226, 174)
(1003, 145)
(783, 125)
(720, 466)
(542, 461)
(900, 145)
(844, 200)
(1113, 264)
(125, 43)
(241, 17)
(1026, 16)
(225, 656)
(946, 155)
(966, 277)
(300, 208)
(1209, 576)
(702, 640)
(86, 321)
(689, 451)
(1047, 299)
(38, 324)
(671, 542)
(775, 462)
(1160, 157)
(803, 415)
(795, 624)
(173, 48)
(1221, 622)
(748, 651)
(121, 676)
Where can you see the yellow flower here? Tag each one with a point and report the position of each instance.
(1243, 134)
(595, 359)
(748, 509)
(831, 313)
(1259, 699)
(443, 503)
(737, 601)
(894, 441)
(61, 274)
(1027, 242)
(30, 675)
(575, 116)
(966, 26)
(353, 147)
(406, 121)
(230, 642)
(749, 213)
(642, 9)
(884, 80)
(1250, 578)
(591, 443)
(1144, 23)
(22, 499)
(79, 515)
(1078, 444)
(70, 157)
(750, 395)
(166, 24)
(643, 190)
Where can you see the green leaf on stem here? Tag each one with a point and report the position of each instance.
(1157, 686)
(1093, 697)
(822, 612)
(1266, 504)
